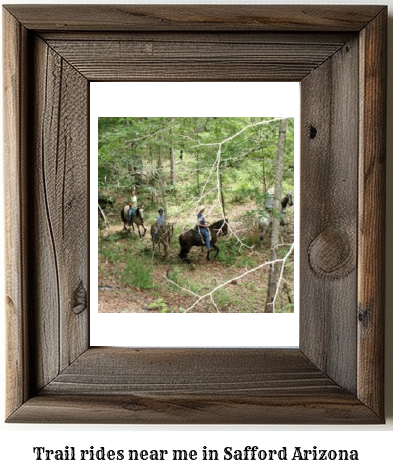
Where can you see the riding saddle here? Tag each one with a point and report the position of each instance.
(198, 236)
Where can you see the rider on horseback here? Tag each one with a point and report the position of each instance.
(133, 206)
(269, 201)
(160, 222)
(202, 227)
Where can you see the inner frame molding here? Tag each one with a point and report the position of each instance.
(338, 54)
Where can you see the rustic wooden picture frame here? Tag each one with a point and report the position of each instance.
(338, 54)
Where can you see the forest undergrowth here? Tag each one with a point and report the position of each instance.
(133, 279)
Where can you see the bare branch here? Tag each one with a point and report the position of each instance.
(103, 215)
(210, 294)
(180, 287)
(251, 125)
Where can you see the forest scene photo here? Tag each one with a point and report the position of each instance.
(196, 214)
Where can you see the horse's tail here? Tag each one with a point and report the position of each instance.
(181, 245)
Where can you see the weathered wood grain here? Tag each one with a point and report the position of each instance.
(195, 17)
(336, 375)
(207, 371)
(193, 386)
(60, 180)
(202, 37)
(239, 409)
(184, 60)
(329, 190)
(371, 231)
(15, 75)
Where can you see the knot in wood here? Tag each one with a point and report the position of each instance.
(331, 254)
(363, 316)
(80, 299)
(313, 132)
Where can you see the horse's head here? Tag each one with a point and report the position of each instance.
(224, 227)
(139, 211)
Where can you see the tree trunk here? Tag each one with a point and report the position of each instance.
(159, 160)
(274, 268)
(172, 155)
(222, 195)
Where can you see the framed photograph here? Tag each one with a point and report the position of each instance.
(170, 156)
(52, 55)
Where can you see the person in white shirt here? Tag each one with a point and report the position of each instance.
(133, 206)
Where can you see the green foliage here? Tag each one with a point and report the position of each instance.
(138, 273)
(110, 254)
(222, 297)
(229, 251)
(160, 305)
(288, 308)
(107, 251)
(135, 152)
(176, 274)
(163, 307)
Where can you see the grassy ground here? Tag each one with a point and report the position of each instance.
(133, 279)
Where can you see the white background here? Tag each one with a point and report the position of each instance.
(198, 99)
(374, 443)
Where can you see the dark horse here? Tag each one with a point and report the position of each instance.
(191, 238)
(137, 218)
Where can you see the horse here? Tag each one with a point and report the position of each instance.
(137, 219)
(164, 237)
(192, 237)
(263, 223)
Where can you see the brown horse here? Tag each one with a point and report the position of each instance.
(137, 219)
(191, 238)
(164, 237)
